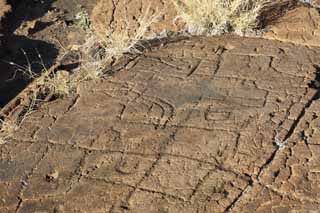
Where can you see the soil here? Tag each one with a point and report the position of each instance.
(221, 124)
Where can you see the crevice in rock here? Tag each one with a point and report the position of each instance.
(246, 188)
(220, 51)
(315, 84)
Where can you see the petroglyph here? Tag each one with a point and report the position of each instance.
(177, 132)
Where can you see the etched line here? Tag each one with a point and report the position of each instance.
(194, 68)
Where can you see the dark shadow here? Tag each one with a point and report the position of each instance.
(39, 26)
(12, 82)
(24, 10)
(12, 47)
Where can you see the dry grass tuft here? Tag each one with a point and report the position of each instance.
(214, 17)
(9, 125)
(48, 81)
(107, 44)
(46, 84)
(7, 129)
(58, 84)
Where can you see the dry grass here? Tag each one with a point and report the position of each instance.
(10, 124)
(46, 84)
(48, 81)
(7, 129)
(119, 40)
(109, 43)
(58, 84)
(103, 47)
(214, 17)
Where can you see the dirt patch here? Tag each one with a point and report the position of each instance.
(206, 124)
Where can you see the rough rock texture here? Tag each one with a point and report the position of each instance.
(127, 14)
(124, 12)
(4, 8)
(272, 10)
(301, 26)
(201, 125)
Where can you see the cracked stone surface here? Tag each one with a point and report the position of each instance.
(129, 15)
(200, 125)
(300, 26)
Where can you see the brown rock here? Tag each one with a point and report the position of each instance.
(127, 14)
(4, 8)
(26, 27)
(300, 26)
(201, 125)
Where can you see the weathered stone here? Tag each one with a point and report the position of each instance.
(300, 26)
(202, 124)
(4, 8)
(129, 15)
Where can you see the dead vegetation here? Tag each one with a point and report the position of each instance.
(107, 43)
(48, 84)
(7, 129)
(212, 17)
(11, 122)
(48, 81)
(103, 47)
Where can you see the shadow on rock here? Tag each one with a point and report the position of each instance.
(22, 11)
(12, 82)
(12, 48)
